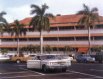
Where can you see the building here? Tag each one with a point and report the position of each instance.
(64, 31)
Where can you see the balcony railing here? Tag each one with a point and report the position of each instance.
(94, 31)
(54, 43)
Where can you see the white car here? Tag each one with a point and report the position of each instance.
(4, 57)
(49, 61)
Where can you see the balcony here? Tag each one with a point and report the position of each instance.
(54, 43)
(94, 31)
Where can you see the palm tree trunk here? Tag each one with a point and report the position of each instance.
(89, 40)
(18, 45)
(41, 43)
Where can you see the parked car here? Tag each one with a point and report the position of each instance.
(49, 61)
(4, 57)
(21, 58)
(99, 57)
(84, 58)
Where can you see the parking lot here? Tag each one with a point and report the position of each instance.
(76, 71)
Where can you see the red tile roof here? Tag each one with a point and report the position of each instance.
(58, 19)
(26, 20)
(62, 20)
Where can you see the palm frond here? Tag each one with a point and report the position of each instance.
(2, 13)
(36, 9)
(46, 24)
(94, 10)
(81, 12)
(41, 19)
(84, 11)
(44, 7)
(35, 6)
(89, 16)
(86, 8)
(49, 15)
(17, 29)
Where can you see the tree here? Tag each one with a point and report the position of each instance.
(17, 29)
(88, 19)
(31, 48)
(48, 49)
(98, 48)
(99, 53)
(24, 49)
(37, 48)
(67, 49)
(40, 21)
(1, 29)
(3, 51)
(3, 23)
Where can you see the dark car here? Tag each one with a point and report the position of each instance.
(84, 58)
(99, 57)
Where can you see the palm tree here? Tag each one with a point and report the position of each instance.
(40, 21)
(3, 23)
(17, 29)
(88, 19)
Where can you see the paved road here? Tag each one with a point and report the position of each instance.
(76, 71)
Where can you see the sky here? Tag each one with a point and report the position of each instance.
(20, 9)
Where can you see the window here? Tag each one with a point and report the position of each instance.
(98, 38)
(53, 28)
(7, 39)
(80, 27)
(66, 38)
(31, 29)
(66, 28)
(22, 39)
(34, 39)
(50, 39)
(81, 38)
(99, 26)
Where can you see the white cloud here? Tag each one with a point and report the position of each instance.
(71, 6)
(18, 12)
(62, 7)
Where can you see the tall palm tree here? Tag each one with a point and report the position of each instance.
(17, 29)
(40, 21)
(3, 23)
(90, 16)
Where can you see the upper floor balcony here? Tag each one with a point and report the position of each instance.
(54, 43)
(70, 32)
